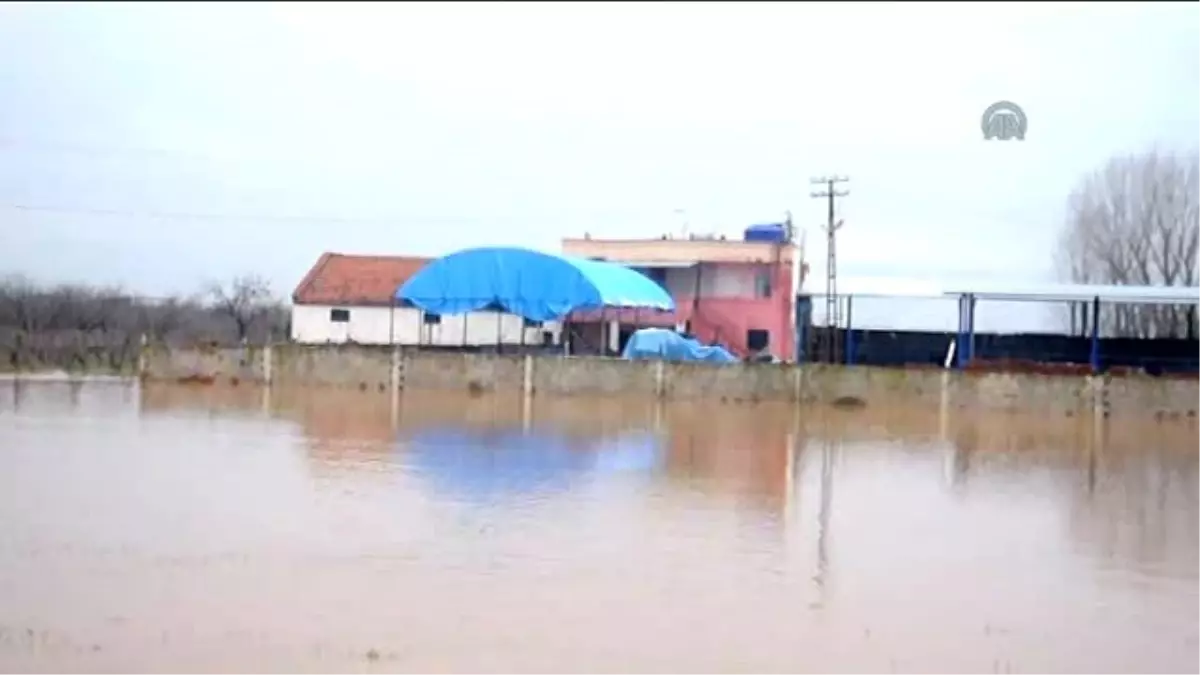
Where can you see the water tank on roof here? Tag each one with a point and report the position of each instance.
(775, 233)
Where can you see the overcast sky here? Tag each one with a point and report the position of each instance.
(156, 146)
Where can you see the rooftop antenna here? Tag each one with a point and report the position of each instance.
(682, 213)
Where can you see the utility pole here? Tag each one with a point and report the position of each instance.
(832, 306)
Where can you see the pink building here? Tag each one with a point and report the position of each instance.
(735, 292)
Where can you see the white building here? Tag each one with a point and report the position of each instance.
(350, 298)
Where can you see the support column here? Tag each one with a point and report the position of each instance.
(1095, 354)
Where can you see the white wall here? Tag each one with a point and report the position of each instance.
(716, 281)
(941, 314)
(404, 326)
(913, 306)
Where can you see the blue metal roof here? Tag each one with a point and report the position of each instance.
(535, 285)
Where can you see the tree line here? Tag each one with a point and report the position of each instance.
(1136, 221)
(74, 326)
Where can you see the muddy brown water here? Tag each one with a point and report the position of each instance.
(205, 529)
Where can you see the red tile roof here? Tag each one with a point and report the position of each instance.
(339, 279)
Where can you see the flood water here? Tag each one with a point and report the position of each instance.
(198, 529)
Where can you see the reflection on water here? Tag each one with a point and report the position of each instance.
(481, 463)
(168, 528)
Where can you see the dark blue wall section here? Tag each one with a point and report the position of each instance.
(897, 348)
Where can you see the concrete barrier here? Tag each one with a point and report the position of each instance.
(385, 368)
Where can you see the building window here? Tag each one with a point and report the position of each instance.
(431, 319)
(757, 339)
(656, 274)
(339, 315)
(762, 284)
(530, 323)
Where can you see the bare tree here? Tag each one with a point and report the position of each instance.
(83, 327)
(1137, 222)
(246, 300)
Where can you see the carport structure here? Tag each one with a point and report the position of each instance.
(1085, 301)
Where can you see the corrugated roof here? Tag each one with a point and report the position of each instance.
(885, 287)
(1141, 295)
(340, 279)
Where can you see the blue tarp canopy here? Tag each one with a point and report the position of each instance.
(660, 343)
(537, 286)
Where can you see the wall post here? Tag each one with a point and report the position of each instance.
(960, 341)
(268, 357)
(396, 376)
(396, 383)
(141, 360)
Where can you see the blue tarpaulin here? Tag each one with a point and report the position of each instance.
(660, 343)
(537, 286)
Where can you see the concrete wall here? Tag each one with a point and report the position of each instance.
(313, 324)
(387, 368)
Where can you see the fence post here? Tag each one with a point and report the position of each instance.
(396, 383)
(141, 360)
(944, 406)
(268, 358)
(396, 378)
(527, 391)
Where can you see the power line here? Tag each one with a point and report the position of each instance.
(623, 216)
(40, 146)
(181, 215)
(832, 306)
